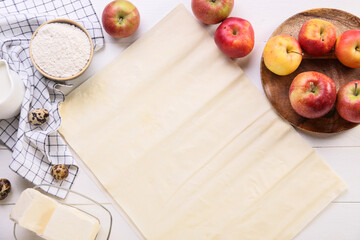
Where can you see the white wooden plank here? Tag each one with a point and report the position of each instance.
(349, 138)
(345, 162)
(340, 221)
(17, 182)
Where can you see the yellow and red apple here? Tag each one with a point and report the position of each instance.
(211, 11)
(235, 37)
(120, 18)
(347, 48)
(317, 37)
(282, 54)
(312, 94)
(348, 103)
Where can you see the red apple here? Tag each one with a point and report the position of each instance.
(347, 48)
(312, 94)
(348, 103)
(235, 37)
(317, 37)
(120, 18)
(211, 11)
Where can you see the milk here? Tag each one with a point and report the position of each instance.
(5, 84)
(12, 91)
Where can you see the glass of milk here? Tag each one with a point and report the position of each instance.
(12, 91)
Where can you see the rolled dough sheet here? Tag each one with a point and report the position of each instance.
(189, 148)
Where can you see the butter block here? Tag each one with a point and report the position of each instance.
(68, 223)
(33, 210)
(52, 220)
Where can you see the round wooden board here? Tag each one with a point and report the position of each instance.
(277, 87)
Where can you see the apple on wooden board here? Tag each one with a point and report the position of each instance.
(347, 48)
(211, 11)
(282, 54)
(235, 37)
(120, 18)
(317, 37)
(312, 94)
(348, 101)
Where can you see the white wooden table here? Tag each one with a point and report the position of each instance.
(340, 221)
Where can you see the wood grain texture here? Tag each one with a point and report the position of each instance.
(276, 87)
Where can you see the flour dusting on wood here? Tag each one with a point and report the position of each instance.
(61, 49)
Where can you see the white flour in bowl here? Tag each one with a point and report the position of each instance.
(60, 49)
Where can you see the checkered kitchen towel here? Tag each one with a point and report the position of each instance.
(36, 149)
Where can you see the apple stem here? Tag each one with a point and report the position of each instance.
(312, 87)
(356, 86)
(322, 34)
(296, 52)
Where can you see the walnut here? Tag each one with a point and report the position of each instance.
(60, 171)
(5, 188)
(38, 116)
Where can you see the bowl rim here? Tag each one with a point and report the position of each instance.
(68, 21)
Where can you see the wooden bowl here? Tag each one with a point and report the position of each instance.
(72, 23)
(277, 87)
